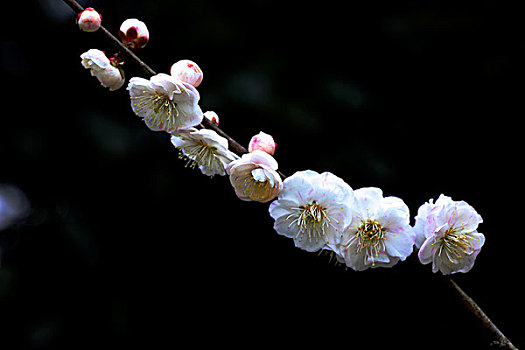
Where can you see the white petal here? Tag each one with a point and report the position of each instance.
(426, 252)
(400, 243)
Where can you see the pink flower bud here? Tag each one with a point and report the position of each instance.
(187, 71)
(89, 20)
(134, 33)
(263, 142)
(212, 117)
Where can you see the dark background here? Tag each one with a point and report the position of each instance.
(125, 246)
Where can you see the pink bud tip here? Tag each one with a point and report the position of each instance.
(187, 71)
(262, 142)
(212, 117)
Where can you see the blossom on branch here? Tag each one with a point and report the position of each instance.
(254, 177)
(379, 234)
(313, 209)
(204, 148)
(447, 233)
(165, 103)
(101, 67)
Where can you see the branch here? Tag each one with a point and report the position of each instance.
(233, 145)
(470, 304)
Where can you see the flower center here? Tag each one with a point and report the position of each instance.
(312, 221)
(454, 244)
(165, 112)
(371, 239)
(256, 185)
(199, 153)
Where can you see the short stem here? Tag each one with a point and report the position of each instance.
(500, 339)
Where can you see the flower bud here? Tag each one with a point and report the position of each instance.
(212, 117)
(263, 142)
(187, 71)
(100, 66)
(134, 33)
(89, 20)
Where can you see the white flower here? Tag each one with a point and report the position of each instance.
(263, 142)
(379, 234)
(89, 20)
(254, 177)
(313, 209)
(204, 148)
(100, 67)
(165, 103)
(447, 232)
(134, 33)
(187, 71)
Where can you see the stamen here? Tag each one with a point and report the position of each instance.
(370, 238)
(165, 110)
(202, 154)
(312, 222)
(455, 244)
(253, 187)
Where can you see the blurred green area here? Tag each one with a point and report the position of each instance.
(124, 244)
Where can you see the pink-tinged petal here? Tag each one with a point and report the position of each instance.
(426, 252)
(296, 188)
(280, 208)
(477, 240)
(400, 242)
(368, 201)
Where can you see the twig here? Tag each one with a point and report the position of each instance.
(233, 145)
(470, 304)
(77, 7)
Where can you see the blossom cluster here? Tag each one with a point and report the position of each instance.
(319, 211)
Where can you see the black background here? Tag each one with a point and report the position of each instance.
(125, 246)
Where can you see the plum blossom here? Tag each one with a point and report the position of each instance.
(187, 71)
(448, 236)
(89, 20)
(254, 177)
(204, 148)
(100, 67)
(134, 33)
(263, 142)
(165, 103)
(379, 233)
(313, 209)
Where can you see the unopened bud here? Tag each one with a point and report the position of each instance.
(187, 71)
(262, 142)
(134, 33)
(89, 20)
(212, 117)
